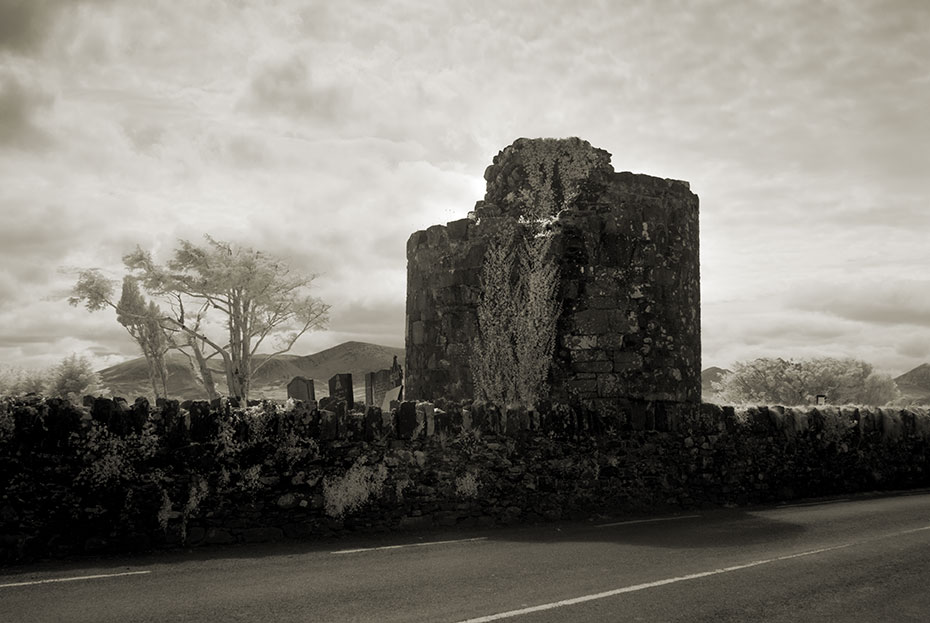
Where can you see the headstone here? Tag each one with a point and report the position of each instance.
(391, 395)
(376, 385)
(379, 384)
(301, 388)
(340, 388)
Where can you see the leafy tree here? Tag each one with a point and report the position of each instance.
(141, 318)
(259, 297)
(517, 314)
(74, 378)
(789, 382)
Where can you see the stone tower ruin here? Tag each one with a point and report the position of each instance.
(626, 246)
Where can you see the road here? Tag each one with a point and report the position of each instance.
(865, 559)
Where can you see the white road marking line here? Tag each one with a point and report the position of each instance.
(384, 547)
(639, 587)
(824, 503)
(627, 523)
(75, 579)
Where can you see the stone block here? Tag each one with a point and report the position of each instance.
(373, 423)
(458, 230)
(329, 425)
(203, 423)
(426, 417)
(591, 322)
(218, 536)
(355, 426)
(638, 414)
(418, 332)
(406, 424)
(591, 354)
(592, 366)
(576, 342)
(608, 385)
(627, 361)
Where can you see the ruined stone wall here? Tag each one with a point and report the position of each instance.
(118, 478)
(627, 249)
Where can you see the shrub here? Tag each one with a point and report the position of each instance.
(343, 494)
(467, 485)
(74, 378)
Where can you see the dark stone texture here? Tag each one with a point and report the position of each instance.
(566, 461)
(406, 423)
(628, 252)
(329, 425)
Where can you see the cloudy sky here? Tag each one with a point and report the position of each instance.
(327, 132)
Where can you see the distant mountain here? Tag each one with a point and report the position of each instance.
(711, 375)
(130, 378)
(915, 385)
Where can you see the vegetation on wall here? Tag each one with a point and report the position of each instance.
(538, 178)
(517, 315)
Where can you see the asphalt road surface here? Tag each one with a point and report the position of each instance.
(865, 559)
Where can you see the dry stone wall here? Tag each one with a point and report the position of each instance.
(116, 477)
(627, 250)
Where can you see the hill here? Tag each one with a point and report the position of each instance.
(130, 378)
(711, 375)
(915, 385)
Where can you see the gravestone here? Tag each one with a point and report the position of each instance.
(340, 388)
(391, 395)
(301, 388)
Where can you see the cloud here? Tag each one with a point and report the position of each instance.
(383, 320)
(734, 332)
(328, 132)
(21, 104)
(24, 24)
(915, 347)
(287, 87)
(39, 333)
(887, 302)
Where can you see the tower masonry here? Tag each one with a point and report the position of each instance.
(627, 250)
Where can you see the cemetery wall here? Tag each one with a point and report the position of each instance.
(118, 477)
